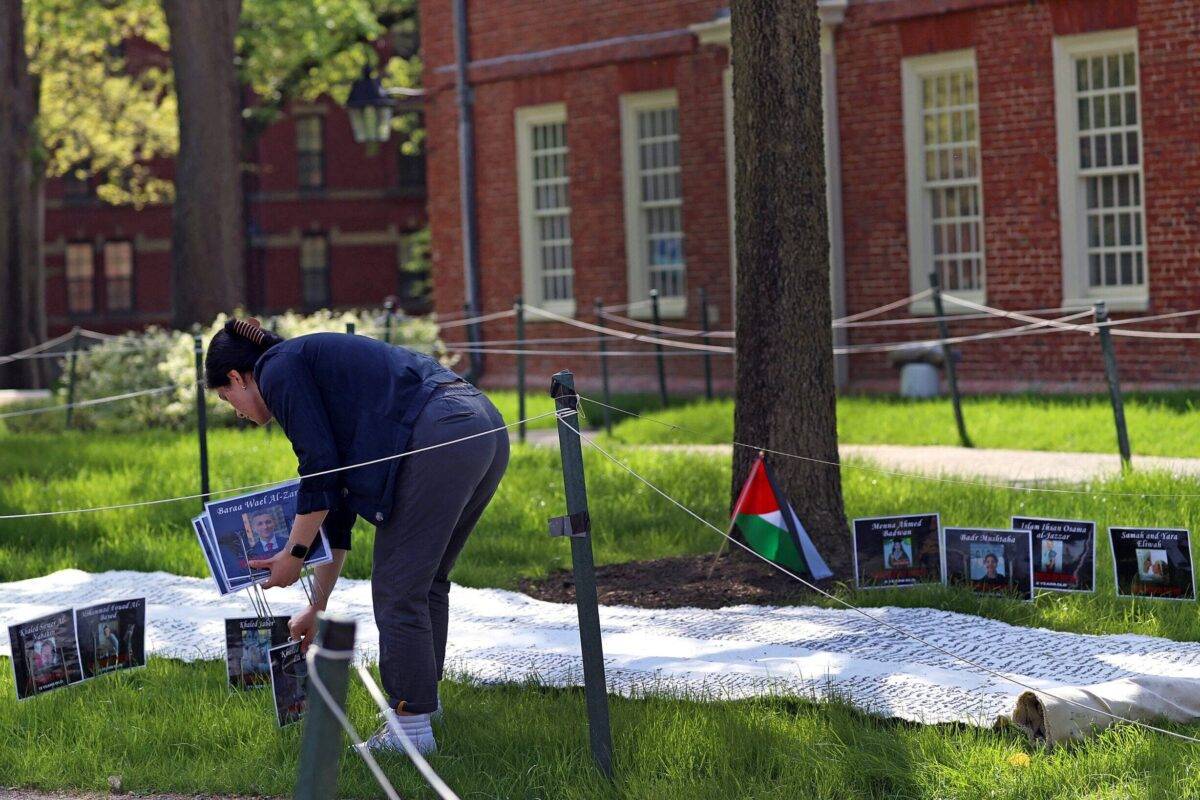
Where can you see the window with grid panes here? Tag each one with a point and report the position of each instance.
(946, 188)
(81, 279)
(656, 203)
(314, 270)
(118, 276)
(310, 151)
(1109, 168)
(545, 207)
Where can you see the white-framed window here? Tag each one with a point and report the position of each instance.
(81, 277)
(314, 270)
(543, 185)
(118, 276)
(653, 199)
(1100, 182)
(945, 180)
(310, 151)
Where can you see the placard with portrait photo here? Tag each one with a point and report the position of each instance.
(1064, 553)
(112, 636)
(1153, 562)
(248, 642)
(45, 654)
(989, 561)
(289, 682)
(896, 551)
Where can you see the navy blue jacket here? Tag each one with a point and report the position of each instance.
(343, 400)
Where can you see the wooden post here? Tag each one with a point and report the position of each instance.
(71, 377)
(604, 368)
(519, 317)
(708, 392)
(201, 413)
(1114, 385)
(662, 368)
(321, 748)
(948, 357)
(562, 389)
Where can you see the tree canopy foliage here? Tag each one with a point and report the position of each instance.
(107, 106)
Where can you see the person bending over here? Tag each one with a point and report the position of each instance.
(345, 400)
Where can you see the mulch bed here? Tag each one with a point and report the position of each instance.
(679, 582)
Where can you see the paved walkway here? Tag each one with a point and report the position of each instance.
(1024, 466)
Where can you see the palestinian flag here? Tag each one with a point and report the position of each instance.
(771, 527)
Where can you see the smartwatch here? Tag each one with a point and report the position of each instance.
(299, 550)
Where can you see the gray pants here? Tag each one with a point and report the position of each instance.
(440, 495)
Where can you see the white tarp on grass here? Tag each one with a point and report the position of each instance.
(727, 653)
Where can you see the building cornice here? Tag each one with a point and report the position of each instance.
(719, 31)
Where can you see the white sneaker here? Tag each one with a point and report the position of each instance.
(418, 729)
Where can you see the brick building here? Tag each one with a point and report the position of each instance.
(328, 222)
(1037, 153)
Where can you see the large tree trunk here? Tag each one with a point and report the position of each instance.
(207, 240)
(785, 382)
(22, 284)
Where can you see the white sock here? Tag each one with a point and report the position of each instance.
(415, 725)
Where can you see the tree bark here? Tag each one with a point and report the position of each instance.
(785, 395)
(208, 275)
(22, 283)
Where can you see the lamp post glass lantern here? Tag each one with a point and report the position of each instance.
(370, 109)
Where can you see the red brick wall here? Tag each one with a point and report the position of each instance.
(592, 97)
(361, 196)
(1012, 44)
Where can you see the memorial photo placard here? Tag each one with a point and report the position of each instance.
(255, 526)
(989, 561)
(248, 642)
(1064, 553)
(896, 551)
(112, 636)
(45, 653)
(289, 682)
(1153, 562)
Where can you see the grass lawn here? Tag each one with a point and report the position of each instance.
(1159, 424)
(175, 727)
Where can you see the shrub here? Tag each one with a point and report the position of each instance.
(158, 357)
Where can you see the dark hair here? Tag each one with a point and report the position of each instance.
(236, 347)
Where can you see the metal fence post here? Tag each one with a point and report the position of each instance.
(71, 377)
(201, 413)
(1114, 384)
(519, 317)
(604, 367)
(578, 529)
(350, 328)
(662, 367)
(321, 748)
(708, 392)
(948, 357)
(389, 312)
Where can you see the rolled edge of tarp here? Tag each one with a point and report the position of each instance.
(1070, 713)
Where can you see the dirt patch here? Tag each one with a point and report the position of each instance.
(679, 582)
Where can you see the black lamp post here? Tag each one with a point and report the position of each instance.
(370, 109)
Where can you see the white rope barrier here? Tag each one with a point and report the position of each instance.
(667, 329)
(871, 617)
(597, 353)
(633, 337)
(884, 323)
(1038, 327)
(427, 772)
(883, 309)
(360, 747)
(239, 489)
(458, 323)
(37, 348)
(916, 476)
(86, 403)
